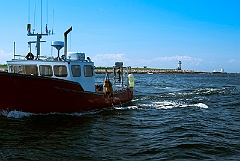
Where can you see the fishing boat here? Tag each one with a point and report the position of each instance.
(64, 84)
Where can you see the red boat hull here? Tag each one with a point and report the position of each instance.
(44, 95)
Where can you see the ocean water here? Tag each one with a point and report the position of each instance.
(172, 117)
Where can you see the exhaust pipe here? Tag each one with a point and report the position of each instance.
(65, 41)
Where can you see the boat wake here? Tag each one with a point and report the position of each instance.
(171, 104)
(19, 114)
(155, 105)
(126, 108)
(15, 114)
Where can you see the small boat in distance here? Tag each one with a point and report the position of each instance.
(64, 84)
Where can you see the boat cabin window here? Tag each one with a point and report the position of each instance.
(46, 70)
(60, 70)
(30, 69)
(76, 70)
(24, 69)
(15, 69)
(88, 71)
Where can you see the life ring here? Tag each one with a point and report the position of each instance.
(29, 56)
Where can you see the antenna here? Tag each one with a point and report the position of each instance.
(14, 49)
(28, 11)
(53, 22)
(39, 36)
(41, 16)
(70, 44)
(47, 31)
(47, 11)
(34, 18)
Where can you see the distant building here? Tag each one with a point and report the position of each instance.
(222, 70)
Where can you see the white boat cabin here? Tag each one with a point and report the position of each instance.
(73, 68)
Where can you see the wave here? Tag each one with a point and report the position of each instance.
(201, 105)
(19, 114)
(135, 105)
(171, 104)
(126, 108)
(15, 114)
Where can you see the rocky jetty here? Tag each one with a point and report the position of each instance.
(157, 71)
(148, 71)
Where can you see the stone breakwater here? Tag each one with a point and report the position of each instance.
(159, 71)
(149, 71)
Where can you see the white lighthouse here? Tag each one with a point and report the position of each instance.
(179, 65)
(222, 70)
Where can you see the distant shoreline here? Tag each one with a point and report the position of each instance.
(101, 70)
(159, 71)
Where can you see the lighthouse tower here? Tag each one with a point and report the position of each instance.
(179, 65)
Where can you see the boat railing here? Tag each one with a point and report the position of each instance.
(120, 77)
(18, 56)
(23, 57)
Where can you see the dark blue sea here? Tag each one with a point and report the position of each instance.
(172, 117)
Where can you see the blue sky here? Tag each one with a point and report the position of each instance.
(203, 34)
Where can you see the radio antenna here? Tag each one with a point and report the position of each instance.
(47, 11)
(34, 18)
(53, 22)
(41, 16)
(28, 11)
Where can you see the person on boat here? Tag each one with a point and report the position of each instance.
(108, 88)
(29, 56)
(119, 74)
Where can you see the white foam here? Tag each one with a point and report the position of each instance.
(125, 108)
(172, 104)
(156, 105)
(165, 105)
(79, 114)
(201, 105)
(15, 114)
(20, 114)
